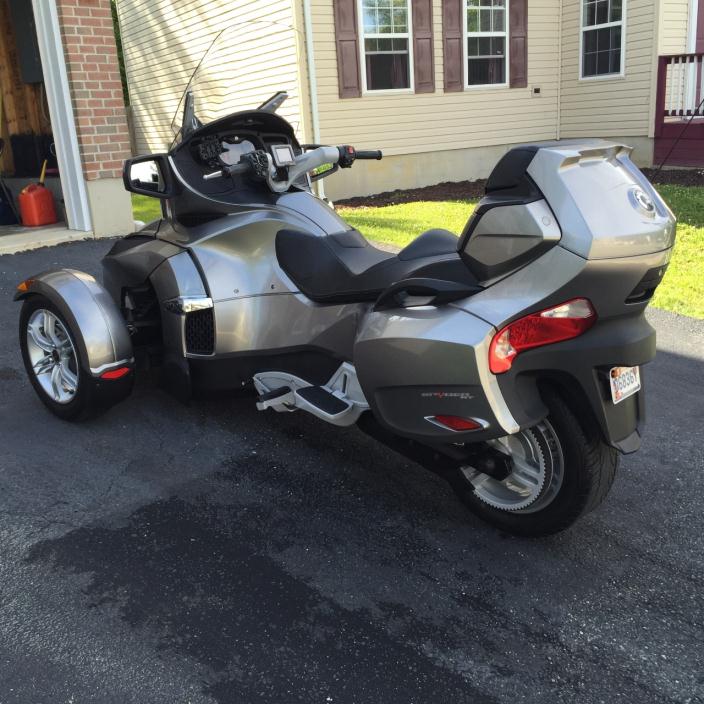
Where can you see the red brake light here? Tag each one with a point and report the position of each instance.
(457, 423)
(563, 322)
(115, 373)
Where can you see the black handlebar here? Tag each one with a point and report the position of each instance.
(370, 155)
(348, 155)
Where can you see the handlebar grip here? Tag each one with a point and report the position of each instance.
(376, 154)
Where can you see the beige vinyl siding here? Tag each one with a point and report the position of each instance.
(610, 107)
(412, 123)
(163, 41)
(674, 26)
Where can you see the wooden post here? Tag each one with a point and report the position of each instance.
(663, 62)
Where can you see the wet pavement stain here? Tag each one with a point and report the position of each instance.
(262, 635)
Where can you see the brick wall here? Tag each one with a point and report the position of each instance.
(94, 82)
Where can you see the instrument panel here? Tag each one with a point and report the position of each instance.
(215, 150)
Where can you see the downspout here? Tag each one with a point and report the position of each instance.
(558, 126)
(312, 82)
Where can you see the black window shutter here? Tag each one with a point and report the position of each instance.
(453, 70)
(423, 60)
(518, 43)
(346, 39)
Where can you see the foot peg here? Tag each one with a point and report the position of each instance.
(340, 401)
(283, 395)
(316, 398)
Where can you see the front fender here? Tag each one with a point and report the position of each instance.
(104, 341)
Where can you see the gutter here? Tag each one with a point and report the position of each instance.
(312, 81)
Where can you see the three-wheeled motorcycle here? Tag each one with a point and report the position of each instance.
(507, 359)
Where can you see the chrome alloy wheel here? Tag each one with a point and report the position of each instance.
(537, 471)
(52, 356)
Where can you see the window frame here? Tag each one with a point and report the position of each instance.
(465, 51)
(395, 35)
(582, 29)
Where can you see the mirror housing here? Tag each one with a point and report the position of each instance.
(156, 181)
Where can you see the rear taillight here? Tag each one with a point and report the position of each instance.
(563, 322)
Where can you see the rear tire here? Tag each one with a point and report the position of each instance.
(74, 393)
(574, 458)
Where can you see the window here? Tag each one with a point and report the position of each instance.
(486, 42)
(386, 52)
(602, 38)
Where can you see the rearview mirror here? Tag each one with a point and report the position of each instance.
(149, 176)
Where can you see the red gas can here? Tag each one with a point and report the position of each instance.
(37, 206)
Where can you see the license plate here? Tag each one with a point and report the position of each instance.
(625, 381)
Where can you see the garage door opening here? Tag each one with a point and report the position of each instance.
(27, 144)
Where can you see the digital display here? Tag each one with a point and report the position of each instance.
(283, 155)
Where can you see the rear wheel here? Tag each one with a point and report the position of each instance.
(561, 470)
(56, 369)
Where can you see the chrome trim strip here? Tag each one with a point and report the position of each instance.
(113, 365)
(188, 304)
(491, 388)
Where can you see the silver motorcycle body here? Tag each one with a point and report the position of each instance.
(559, 221)
(507, 359)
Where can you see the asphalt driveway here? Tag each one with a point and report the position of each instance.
(209, 553)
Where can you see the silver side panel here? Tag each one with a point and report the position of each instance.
(595, 191)
(241, 261)
(104, 341)
(257, 306)
(278, 321)
(425, 349)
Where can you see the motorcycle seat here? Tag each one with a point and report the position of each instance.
(346, 268)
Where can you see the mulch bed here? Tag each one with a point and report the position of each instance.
(464, 190)
(473, 190)
(676, 177)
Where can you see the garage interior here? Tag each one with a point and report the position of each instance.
(26, 142)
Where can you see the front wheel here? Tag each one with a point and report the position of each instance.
(56, 368)
(561, 470)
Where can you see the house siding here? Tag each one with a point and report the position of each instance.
(466, 131)
(610, 107)
(415, 123)
(674, 26)
(163, 42)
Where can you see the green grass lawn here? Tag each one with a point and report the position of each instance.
(681, 292)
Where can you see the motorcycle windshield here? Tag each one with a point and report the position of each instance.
(243, 65)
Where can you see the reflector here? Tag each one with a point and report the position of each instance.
(115, 373)
(457, 423)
